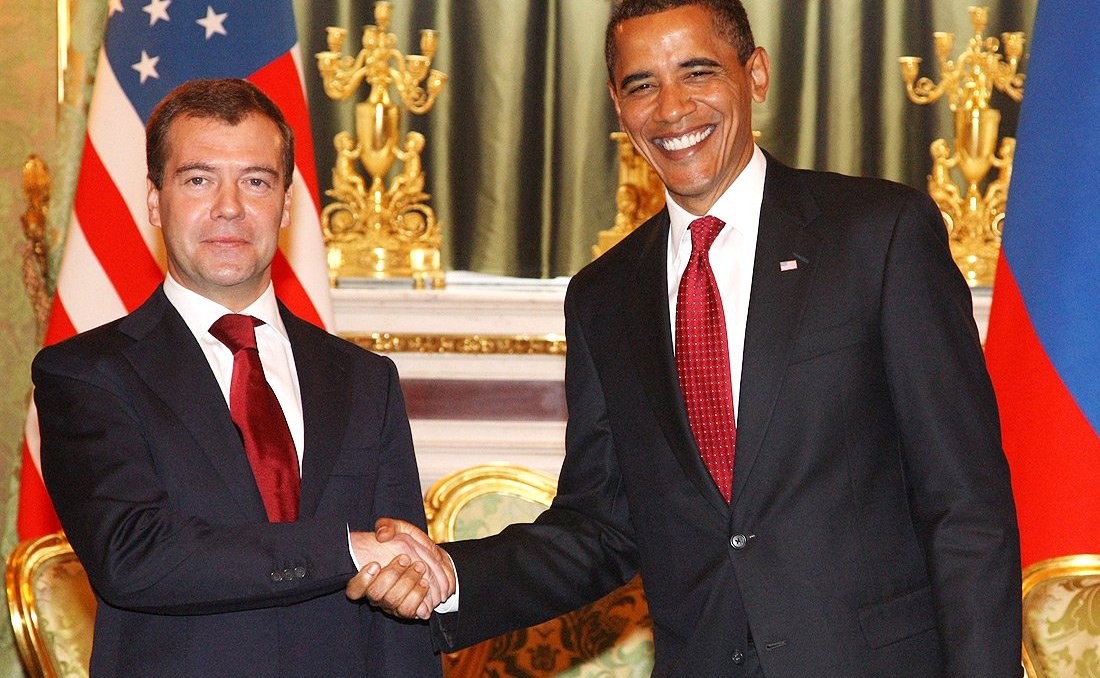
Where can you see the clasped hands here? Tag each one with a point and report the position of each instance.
(418, 577)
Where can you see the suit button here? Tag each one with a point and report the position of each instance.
(300, 572)
(276, 576)
(288, 574)
(738, 657)
(738, 541)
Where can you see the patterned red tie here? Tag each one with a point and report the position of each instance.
(702, 357)
(256, 412)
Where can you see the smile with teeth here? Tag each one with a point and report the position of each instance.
(683, 141)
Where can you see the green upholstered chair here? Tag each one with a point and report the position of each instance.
(52, 608)
(1061, 598)
(611, 638)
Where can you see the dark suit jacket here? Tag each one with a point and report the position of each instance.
(872, 530)
(150, 480)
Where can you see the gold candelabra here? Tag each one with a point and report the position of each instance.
(374, 228)
(639, 196)
(974, 216)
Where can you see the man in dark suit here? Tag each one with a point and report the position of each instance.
(204, 560)
(868, 528)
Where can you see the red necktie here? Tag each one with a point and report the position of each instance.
(702, 357)
(260, 420)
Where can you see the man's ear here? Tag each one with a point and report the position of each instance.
(759, 67)
(286, 207)
(152, 199)
(615, 100)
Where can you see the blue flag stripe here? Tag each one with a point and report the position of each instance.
(1052, 230)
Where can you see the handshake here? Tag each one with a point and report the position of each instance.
(419, 575)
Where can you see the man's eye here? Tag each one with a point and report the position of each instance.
(196, 181)
(700, 73)
(257, 183)
(639, 88)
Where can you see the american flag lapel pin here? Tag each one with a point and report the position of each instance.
(788, 265)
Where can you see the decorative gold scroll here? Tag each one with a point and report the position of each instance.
(479, 344)
(36, 191)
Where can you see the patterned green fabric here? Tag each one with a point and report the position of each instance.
(490, 513)
(66, 615)
(611, 638)
(1063, 619)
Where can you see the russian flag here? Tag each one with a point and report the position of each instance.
(1043, 345)
(113, 258)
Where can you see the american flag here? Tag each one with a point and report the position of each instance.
(113, 258)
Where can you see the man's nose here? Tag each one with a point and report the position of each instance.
(228, 204)
(674, 102)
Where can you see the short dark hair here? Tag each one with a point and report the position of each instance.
(730, 20)
(227, 99)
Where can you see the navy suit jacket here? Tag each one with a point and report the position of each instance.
(872, 530)
(149, 477)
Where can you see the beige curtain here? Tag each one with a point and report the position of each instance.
(837, 100)
(519, 162)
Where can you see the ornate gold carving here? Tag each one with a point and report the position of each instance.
(480, 344)
(639, 196)
(374, 229)
(36, 191)
(974, 217)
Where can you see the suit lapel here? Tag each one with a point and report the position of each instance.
(775, 308)
(170, 361)
(651, 339)
(326, 394)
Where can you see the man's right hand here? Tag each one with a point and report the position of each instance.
(415, 582)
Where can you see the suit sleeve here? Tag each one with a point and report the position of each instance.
(398, 647)
(956, 471)
(575, 552)
(140, 546)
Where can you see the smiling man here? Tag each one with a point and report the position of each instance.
(778, 408)
(215, 460)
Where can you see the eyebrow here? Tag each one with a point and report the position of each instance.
(700, 61)
(690, 63)
(204, 167)
(634, 77)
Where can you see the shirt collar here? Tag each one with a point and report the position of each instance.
(742, 198)
(200, 313)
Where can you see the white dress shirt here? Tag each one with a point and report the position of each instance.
(273, 344)
(731, 256)
(271, 340)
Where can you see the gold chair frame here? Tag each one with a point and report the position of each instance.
(19, 577)
(443, 503)
(1041, 572)
(446, 498)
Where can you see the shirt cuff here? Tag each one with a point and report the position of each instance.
(451, 603)
(358, 565)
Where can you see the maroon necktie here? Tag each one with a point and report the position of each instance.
(256, 412)
(702, 357)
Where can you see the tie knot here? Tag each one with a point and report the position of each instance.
(236, 331)
(703, 232)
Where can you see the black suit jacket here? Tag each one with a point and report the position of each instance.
(872, 530)
(149, 477)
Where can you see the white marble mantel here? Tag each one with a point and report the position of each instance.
(481, 336)
(517, 333)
